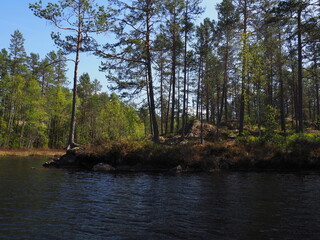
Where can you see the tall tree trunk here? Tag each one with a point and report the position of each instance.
(184, 110)
(149, 106)
(201, 111)
(282, 110)
(162, 107)
(150, 80)
(316, 82)
(224, 87)
(178, 103)
(300, 85)
(295, 102)
(259, 105)
(173, 72)
(199, 86)
(161, 97)
(71, 143)
(207, 92)
(244, 70)
(168, 107)
(317, 98)
(184, 115)
(270, 84)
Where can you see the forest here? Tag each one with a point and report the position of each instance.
(254, 70)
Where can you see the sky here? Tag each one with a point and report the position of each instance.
(16, 15)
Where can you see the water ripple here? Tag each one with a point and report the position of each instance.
(55, 204)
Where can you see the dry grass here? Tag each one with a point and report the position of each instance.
(30, 152)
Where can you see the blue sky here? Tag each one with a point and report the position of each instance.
(15, 14)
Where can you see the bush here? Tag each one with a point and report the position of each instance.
(247, 138)
(303, 143)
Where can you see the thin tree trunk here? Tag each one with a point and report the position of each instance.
(178, 104)
(71, 143)
(224, 88)
(295, 97)
(21, 134)
(149, 106)
(187, 104)
(318, 101)
(161, 96)
(184, 115)
(168, 107)
(201, 112)
(259, 107)
(244, 70)
(282, 111)
(173, 72)
(270, 85)
(198, 90)
(207, 92)
(316, 80)
(300, 85)
(149, 70)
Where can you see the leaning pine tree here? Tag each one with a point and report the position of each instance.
(81, 18)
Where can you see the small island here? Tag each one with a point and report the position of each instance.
(239, 92)
(160, 119)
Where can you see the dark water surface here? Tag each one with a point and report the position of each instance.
(58, 204)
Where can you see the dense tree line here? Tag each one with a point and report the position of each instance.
(258, 60)
(35, 103)
(255, 65)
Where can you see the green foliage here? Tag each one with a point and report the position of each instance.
(304, 146)
(119, 121)
(3, 126)
(303, 138)
(247, 138)
(59, 105)
(299, 143)
(270, 122)
(80, 17)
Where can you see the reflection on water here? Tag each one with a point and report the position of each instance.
(57, 204)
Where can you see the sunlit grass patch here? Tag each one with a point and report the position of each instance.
(31, 152)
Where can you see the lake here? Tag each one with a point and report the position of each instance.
(59, 204)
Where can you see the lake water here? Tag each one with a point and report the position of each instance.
(58, 204)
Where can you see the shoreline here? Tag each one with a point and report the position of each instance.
(184, 158)
(5, 152)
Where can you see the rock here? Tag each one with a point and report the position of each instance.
(177, 169)
(103, 167)
(193, 129)
(67, 159)
(50, 163)
(162, 139)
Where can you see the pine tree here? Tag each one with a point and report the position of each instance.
(133, 54)
(82, 17)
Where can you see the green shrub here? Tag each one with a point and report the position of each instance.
(247, 138)
(303, 143)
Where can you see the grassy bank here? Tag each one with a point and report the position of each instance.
(31, 152)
